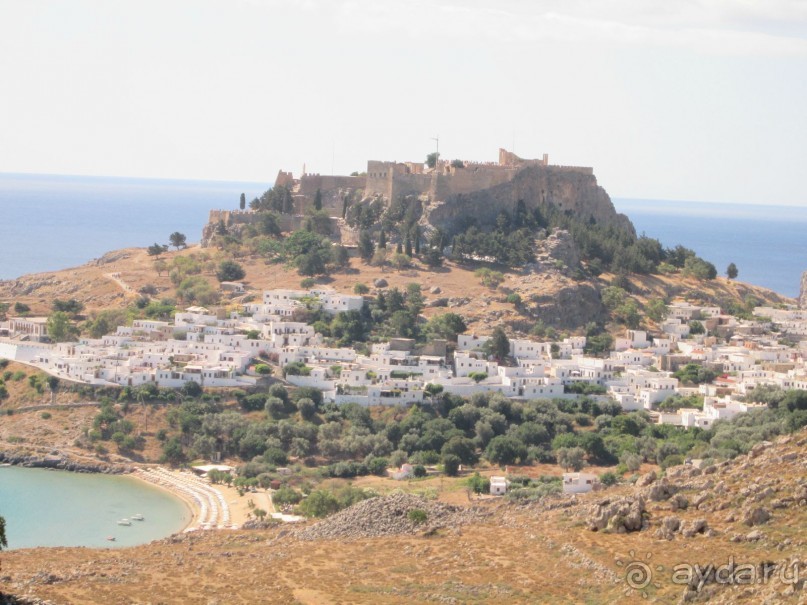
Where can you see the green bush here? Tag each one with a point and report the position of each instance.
(417, 516)
(608, 478)
(672, 460)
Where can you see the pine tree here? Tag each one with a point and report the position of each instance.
(382, 240)
(365, 245)
(318, 200)
(731, 271)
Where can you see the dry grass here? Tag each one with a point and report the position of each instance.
(521, 554)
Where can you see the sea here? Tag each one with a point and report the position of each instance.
(51, 222)
(767, 242)
(58, 508)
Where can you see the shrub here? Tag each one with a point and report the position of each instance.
(489, 278)
(229, 270)
(263, 369)
(479, 484)
(45, 416)
(319, 503)
(608, 478)
(286, 496)
(451, 465)
(308, 283)
(672, 460)
(417, 515)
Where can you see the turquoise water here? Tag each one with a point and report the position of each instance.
(58, 508)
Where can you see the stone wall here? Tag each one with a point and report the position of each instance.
(469, 179)
(568, 190)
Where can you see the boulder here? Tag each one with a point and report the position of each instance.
(380, 283)
(754, 536)
(659, 491)
(435, 290)
(756, 516)
(679, 502)
(758, 449)
(669, 527)
(646, 480)
(696, 526)
(620, 515)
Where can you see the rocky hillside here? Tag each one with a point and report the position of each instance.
(668, 539)
(550, 289)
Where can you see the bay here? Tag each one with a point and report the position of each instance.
(58, 508)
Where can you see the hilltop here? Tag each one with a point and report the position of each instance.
(549, 293)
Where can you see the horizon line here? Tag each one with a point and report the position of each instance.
(265, 183)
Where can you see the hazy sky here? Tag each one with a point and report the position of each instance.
(685, 99)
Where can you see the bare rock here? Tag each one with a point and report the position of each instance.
(754, 536)
(700, 499)
(660, 490)
(646, 480)
(756, 516)
(758, 449)
(679, 502)
(435, 290)
(696, 526)
(380, 283)
(669, 527)
(620, 515)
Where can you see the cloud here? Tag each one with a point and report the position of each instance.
(731, 27)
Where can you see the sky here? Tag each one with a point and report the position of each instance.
(689, 100)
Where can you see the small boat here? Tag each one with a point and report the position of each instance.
(111, 538)
(124, 522)
(138, 517)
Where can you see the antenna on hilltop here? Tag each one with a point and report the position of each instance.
(437, 140)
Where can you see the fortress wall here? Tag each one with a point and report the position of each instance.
(410, 184)
(572, 191)
(230, 217)
(573, 169)
(467, 180)
(309, 183)
(333, 189)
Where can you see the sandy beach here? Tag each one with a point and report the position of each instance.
(202, 497)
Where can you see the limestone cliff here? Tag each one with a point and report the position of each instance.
(570, 191)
